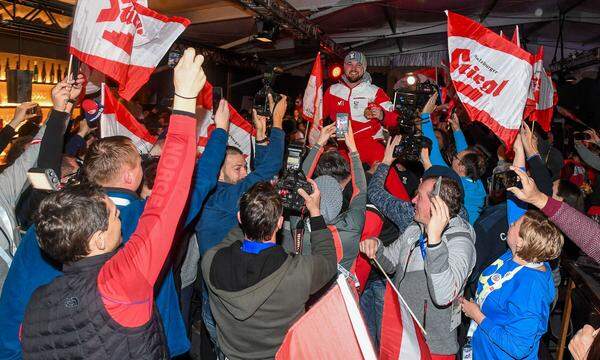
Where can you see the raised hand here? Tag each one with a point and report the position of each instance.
(529, 193)
(454, 123)
(388, 156)
(278, 110)
(312, 201)
(260, 124)
(22, 114)
(326, 133)
(222, 115)
(529, 140)
(349, 139)
(440, 216)
(189, 79)
(430, 105)
(61, 93)
(369, 247)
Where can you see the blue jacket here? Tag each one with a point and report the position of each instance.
(30, 269)
(474, 190)
(219, 214)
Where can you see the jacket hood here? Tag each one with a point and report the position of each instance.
(244, 303)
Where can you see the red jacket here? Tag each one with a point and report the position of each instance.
(340, 98)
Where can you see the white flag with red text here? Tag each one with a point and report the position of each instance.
(547, 99)
(117, 120)
(401, 336)
(123, 39)
(240, 130)
(490, 74)
(312, 103)
(534, 87)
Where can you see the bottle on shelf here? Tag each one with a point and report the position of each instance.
(6, 68)
(36, 72)
(52, 74)
(28, 65)
(44, 79)
(59, 74)
(18, 67)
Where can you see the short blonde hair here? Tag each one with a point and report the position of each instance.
(106, 158)
(542, 240)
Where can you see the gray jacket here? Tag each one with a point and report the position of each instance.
(438, 281)
(12, 182)
(349, 224)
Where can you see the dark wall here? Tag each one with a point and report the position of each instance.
(583, 99)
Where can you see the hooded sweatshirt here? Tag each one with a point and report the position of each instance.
(255, 302)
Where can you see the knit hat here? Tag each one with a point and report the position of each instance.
(444, 171)
(331, 197)
(91, 110)
(358, 56)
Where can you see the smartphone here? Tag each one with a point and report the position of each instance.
(33, 110)
(341, 125)
(581, 136)
(75, 65)
(43, 179)
(173, 58)
(437, 186)
(504, 180)
(217, 96)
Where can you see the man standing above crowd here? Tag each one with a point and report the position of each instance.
(367, 106)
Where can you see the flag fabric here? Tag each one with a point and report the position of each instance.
(490, 74)
(123, 39)
(516, 38)
(117, 120)
(547, 99)
(534, 88)
(401, 337)
(312, 103)
(332, 328)
(240, 130)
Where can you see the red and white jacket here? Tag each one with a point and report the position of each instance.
(340, 98)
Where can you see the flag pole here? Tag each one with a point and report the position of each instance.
(400, 296)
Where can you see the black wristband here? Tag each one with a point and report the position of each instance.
(262, 141)
(186, 98)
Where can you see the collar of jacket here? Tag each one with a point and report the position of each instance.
(121, 197)
(88, 263)
(365, 79)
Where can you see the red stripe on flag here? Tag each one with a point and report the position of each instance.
(124, 117)
(391, 326)
(459, 25)
(506, 135)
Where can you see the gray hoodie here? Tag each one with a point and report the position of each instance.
(448, 266)
(252, 323)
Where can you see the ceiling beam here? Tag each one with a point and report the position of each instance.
(488, 9)
(338, 7)
(215, 12)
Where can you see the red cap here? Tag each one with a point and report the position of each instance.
(89, 106)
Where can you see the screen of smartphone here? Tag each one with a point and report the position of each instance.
(217, 96)
(341, 125)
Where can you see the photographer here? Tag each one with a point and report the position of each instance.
(219, 211)
(467, 163)
(367, 106)
(103, 304)
(432, 259)
(331, 173)
(256, 301)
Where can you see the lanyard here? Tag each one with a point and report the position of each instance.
(482, 296)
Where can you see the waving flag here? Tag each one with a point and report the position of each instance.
(123, 39)
(490, 74)
(312, 103)
(547, 100)
(240, 130)
(401, 336)
(534, 88)
(117, 120)
(516, 38)
(333, 328)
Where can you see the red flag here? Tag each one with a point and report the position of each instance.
(332, 329)
(401, 337)
(240, 130)
(534, 88)
(117, 120)
(490, 74)
(516, 38)
(547, 100)
(123, 39)
(312, 103)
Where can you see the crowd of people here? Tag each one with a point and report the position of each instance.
(118, 262)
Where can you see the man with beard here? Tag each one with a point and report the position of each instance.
(367, 106)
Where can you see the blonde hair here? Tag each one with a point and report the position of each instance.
(542, 240)
(106, 158)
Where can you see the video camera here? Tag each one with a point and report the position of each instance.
(293, 179)
(261, 99)
(408, 102)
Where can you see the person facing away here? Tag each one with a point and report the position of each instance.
(102, 307)
(257, 290)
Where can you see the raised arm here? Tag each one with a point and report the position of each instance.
(459, 137)
(312, 159)
(127, 280)
(21, 115)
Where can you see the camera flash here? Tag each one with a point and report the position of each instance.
(411, 80)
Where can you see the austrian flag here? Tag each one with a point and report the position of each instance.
(491, 75)
(123, 39)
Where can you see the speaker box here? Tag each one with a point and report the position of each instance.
(18, 85)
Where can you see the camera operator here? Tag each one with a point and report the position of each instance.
(468, 163)
(219, 211)
(432, 259)
(255, 302)
(332, 173)
(367, 106)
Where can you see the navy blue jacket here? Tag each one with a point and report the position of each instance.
(219, 214)
(30, 269)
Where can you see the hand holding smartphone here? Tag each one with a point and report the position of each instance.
(341, 125)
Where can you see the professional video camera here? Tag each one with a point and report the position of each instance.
(293, 179)
(261, 99)
(408, 102)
